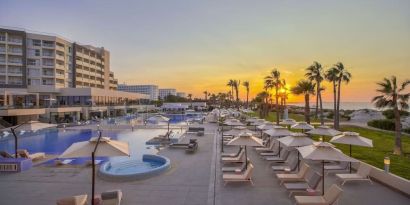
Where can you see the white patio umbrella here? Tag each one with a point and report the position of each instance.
(296, 140)
(324, 131)
(288, 122)
(323, 151)
(302, 126)
(246, 139)
(159, 118)
(235, 131)
(352, 138)
(278, 132)
(267, 126)
(233, 122)
(32, 126)
(96, 146)
(252, 119)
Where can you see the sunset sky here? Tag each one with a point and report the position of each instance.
(197, 45)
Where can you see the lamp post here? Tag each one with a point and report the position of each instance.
(386, 164)
(93, 164)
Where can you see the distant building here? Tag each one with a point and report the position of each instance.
(181, 94)
(151, 90)
(164, 92)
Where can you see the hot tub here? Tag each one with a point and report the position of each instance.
(134, 169)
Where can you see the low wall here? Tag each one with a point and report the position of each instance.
(388, 179)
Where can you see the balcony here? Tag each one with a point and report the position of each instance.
(48, 45)
(15, 51)
(60, 57)
(3, 38)
(15, 62)
(2, 50)
(15, 41)
(15, 82)
(14, 72)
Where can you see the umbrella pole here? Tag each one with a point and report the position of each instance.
(298, 161)
(15, 141)
(93, 167)
(350, 163)
(246, 158)
(222, 139)
(279, 149)
(168, 130)
(323, 177)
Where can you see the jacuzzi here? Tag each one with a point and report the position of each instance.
(134, 169)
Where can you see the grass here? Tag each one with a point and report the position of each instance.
(383, 143)
(297, 117)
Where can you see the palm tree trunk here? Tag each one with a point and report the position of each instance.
(247, 98)
(317, 99)
(334, 103)
(277, 105)
(397, 140)
(322, 121)
(307, 109)
(338, 105)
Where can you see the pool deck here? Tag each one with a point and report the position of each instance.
(193, 179)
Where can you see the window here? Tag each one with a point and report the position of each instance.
(36, 42)
(34, 62)
(34, 81)
(34, 52)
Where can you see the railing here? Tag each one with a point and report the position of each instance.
(14, 40)
(48, 45)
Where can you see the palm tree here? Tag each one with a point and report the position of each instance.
(246, 85)
(393, 97)
(331, 75)
(315, 73)
(206, 95)
(306, 88)
(273, 81)
(261, 99)
(189, 96)
(343, 76)
(236, 84)
(230, 84)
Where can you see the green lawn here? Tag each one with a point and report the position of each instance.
(383, 143)
(297, 117)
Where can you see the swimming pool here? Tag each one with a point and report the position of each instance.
(55, 142)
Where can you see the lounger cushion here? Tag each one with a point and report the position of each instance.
(297, 186)
(349, 176)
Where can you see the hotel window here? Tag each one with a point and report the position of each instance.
(34, 62)
(36, 42)
(34, 52)
(2, 37)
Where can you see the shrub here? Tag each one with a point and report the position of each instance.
(382, 124)
(407, 130)
(389, 114)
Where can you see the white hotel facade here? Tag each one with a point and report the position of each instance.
(151, 90)
(47, 77)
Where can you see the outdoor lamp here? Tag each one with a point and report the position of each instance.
(386, 164)
(321, 139)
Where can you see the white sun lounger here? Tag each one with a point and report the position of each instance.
(246, 176)
(74, 200)
(331, 196)
(361, 175)
(239, 158)
(283, 156)
(294, 177)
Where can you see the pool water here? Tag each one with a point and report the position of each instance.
(55, 142)
(133, 166)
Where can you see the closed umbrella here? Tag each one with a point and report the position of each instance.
(296, 140)
(31, 126)
(258, 122)
(323, 151)
(302, 126)
(324, 131)
(96, 146)
(352, 138)
(278, 132)
(233, 122)
(246, 139)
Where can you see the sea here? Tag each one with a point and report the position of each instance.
(343, 105)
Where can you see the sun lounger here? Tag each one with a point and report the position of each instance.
(74, 200)
(236, 169)
(271, 148)
(239, 158)
(331, 196)
(63, 162)
(294, 177)
(246, 176)
(312, 181)
(283, 156)
(232, 154)
(341, 166)
(36, 156)
(111, 197)
(361, 175)
(5, 154)
(290, 165)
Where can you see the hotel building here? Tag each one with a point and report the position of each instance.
(47, 77)
(151, 90)
(181, 94)
(164, 92)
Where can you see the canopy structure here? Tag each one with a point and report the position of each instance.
(106, 148)
(302, 126)
(323, 151)
(288, 122)
(31, 126)
(296, 140)
(258, 122)
(246, 139)
(268, 126)
(252, 119)
(233, 122)
(236, 131)
(324, 131)
(278, 132)
(352, 138)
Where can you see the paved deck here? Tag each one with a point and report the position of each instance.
(193, 179)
